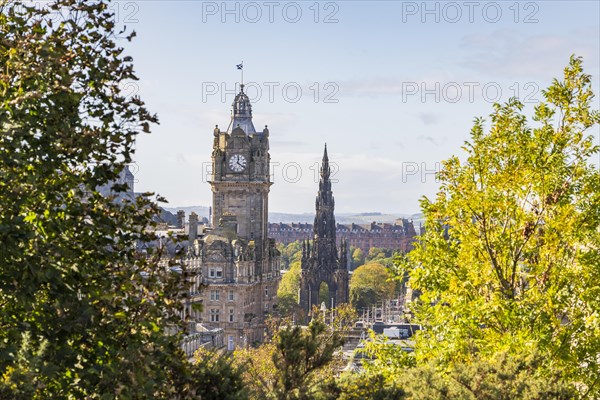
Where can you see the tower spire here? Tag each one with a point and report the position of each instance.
(325, 171)
(241, 113)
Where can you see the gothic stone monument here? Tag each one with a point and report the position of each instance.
(321, 261)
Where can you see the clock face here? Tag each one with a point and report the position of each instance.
(237, 162)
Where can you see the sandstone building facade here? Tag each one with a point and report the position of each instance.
(397, 236)
(239, 262)
(231, 263)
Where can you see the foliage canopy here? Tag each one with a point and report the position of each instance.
(510, 258)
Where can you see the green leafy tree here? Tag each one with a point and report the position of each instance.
(287, 293)
(281, 248)
(359, 386)
(362, 297)
(218, 377)
(507, 377)
(503, 377)
(370, 284)
(391, 372)
(83, 314)
(298, 362)
(324, 294)
(291, 253)
(376, 253)
(509, 261)
(386, 359)
(290, 282)
(358, 258)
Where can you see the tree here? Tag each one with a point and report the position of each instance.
(370, 284)
(376, 253)
(290, 282)
(359, 386)
(503, 376)
(509, 261)
(324, 294)
(358, 258)
(83, 314)
(288, 291)
(291, 253)
(218, 376)
(507, 377)
(298, 362)
(362, 297)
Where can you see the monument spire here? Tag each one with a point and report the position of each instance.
(322, 262)
(325, 171)
(324, 226)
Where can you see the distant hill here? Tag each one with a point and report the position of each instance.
(367, 217)
(166, 216)
(275, 217)
(342, 218)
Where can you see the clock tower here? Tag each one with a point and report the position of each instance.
(241, 179)
(240, 263)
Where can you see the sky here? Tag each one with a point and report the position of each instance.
(392, 87)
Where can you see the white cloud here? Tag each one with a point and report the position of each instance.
(429, 118)
(507, 53)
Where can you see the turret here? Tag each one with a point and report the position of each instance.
(241, 113)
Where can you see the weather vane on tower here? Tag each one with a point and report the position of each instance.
(240, 66)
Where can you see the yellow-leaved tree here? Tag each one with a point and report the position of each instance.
(510, 261)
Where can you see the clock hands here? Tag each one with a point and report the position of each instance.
(237, 163)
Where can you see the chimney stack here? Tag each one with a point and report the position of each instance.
(180, 219)
(193, 226)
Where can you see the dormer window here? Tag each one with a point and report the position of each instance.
(215, 272)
